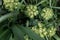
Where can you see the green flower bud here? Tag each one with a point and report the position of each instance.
(51, 31)
(31, 11)
(40, 24)
(11, 4)
(40, 30)
(45, 33)
(47, 13)
(41, 35)
(35, 13)
(26, 37)
(44, 29)
(35, 30)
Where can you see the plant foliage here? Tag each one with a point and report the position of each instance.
(29, 20)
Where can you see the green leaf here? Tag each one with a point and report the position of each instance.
(2, 18)
(12, 14)
(11, 38)
(5, 35)
(56, 37)
(30, 33)
(2, 27)
(18, 34)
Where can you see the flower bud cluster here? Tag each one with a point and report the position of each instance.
(47, 13)
(43, 31)
(31, 11)
(11, 4)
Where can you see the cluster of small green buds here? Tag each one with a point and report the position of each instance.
(31, 11)
(51, 31)
(11, 4)
(43, 31)
(40, 30)
(47, 13)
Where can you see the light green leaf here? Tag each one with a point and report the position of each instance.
(4, 17)
(56, 37)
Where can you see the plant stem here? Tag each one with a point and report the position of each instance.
(22, 1)
(41, 2)
(55, 7)
(47, 38)
(50, 3)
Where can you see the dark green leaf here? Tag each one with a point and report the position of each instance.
(5, 35)
(30, 33)
(11, 38)
(56, 37)
(18, 34)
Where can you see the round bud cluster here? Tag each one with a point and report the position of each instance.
(51, 31)
(31, 11)
(40, 30)
(47, 13)
(43, 31)
(11, 4)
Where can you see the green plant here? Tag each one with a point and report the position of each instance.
(29, 20)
